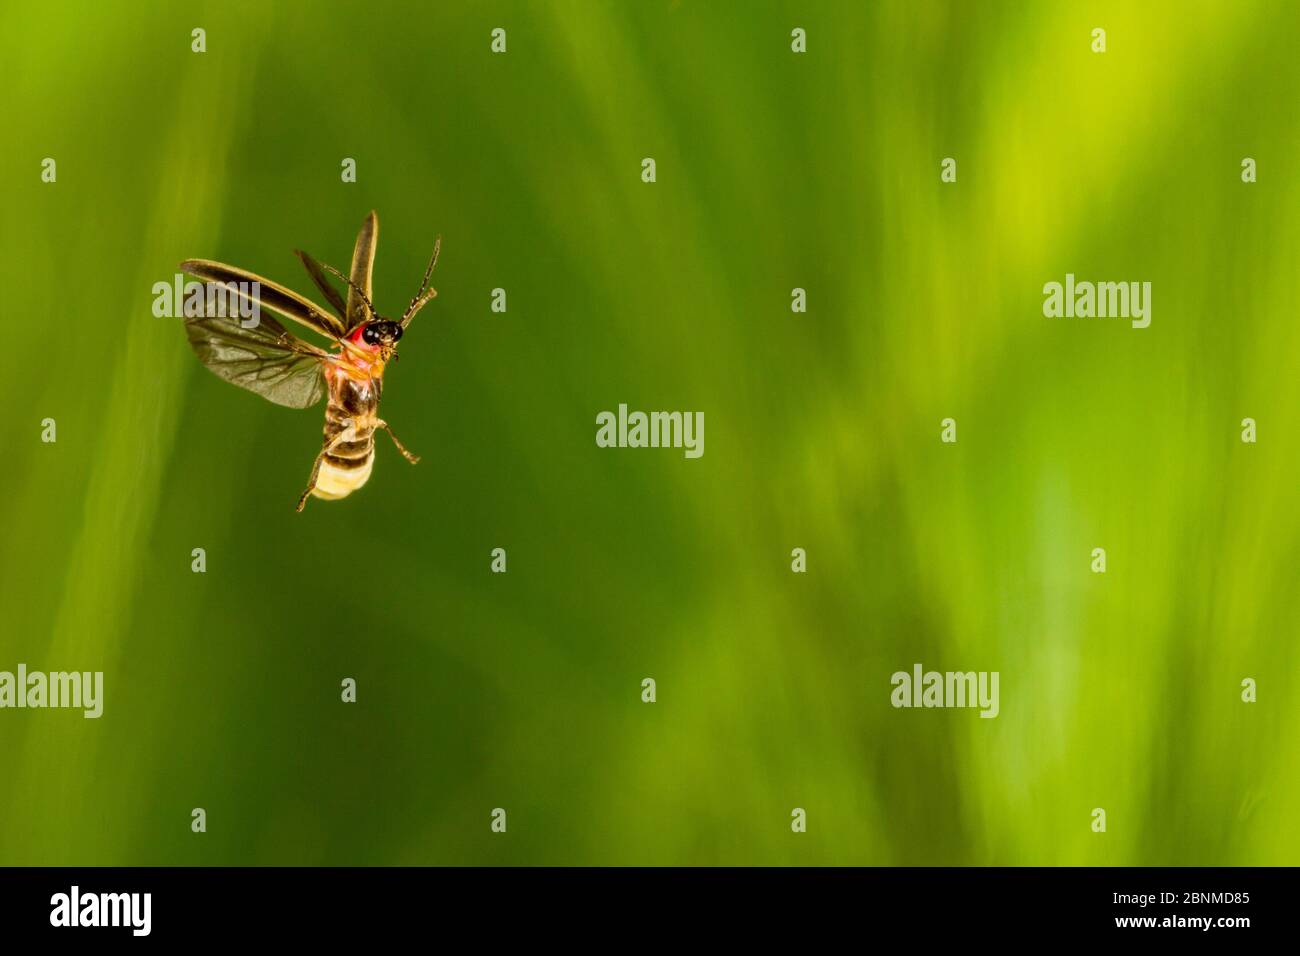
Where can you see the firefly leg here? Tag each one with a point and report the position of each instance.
(315, 468)
(413, 459)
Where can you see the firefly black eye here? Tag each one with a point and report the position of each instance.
(370, 334)
(397, 331)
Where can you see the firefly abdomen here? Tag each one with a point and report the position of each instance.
(350, 417)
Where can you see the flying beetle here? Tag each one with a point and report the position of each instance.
(279, 366)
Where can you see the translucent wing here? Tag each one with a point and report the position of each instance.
(363, 263)
(265, 359)
(317, 273)
(271, 295)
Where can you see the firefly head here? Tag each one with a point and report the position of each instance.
(382, 333)
(380, 336)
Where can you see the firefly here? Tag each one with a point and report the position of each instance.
(282, 368)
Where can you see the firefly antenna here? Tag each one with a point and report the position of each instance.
(355, 288)
(420, 298)
(424, 283)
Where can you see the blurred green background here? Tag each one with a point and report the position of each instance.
(775, 170)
